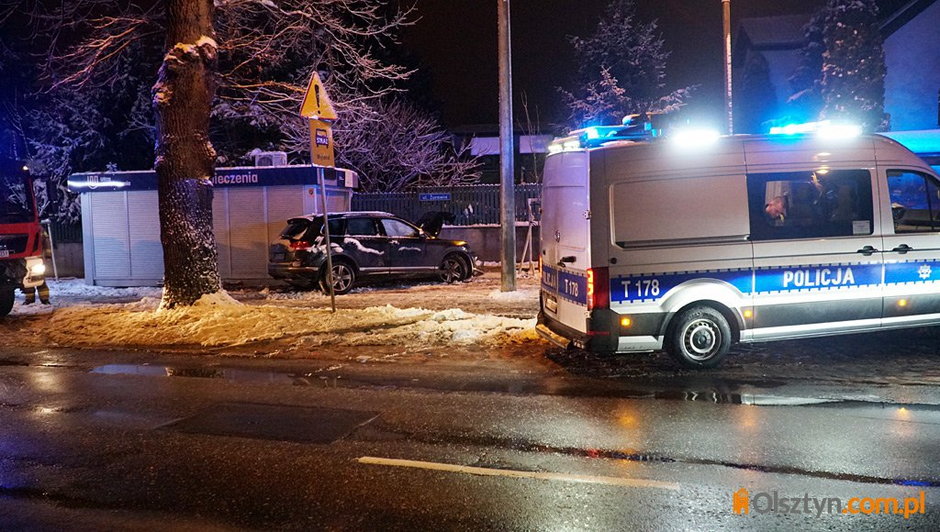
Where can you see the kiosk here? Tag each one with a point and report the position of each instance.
(250, 207)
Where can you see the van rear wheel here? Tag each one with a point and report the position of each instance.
(700, 338)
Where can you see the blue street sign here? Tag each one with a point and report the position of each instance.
(436, 196)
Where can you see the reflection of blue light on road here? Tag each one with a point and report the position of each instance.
(924, 483)
(131, 369)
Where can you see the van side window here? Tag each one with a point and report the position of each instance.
(810, 204)
(915, 202)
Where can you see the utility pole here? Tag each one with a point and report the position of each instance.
(726, 15)
(507, 197)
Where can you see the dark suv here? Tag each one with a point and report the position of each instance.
(366, 245)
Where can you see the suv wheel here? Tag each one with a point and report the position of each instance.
(344, 278)
(453, 269)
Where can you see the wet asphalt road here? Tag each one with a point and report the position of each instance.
(437, 439)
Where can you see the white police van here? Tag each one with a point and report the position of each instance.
(692, 243)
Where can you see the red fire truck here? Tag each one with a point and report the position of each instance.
(21, 264)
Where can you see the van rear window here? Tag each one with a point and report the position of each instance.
(677, 209)
(810, 204)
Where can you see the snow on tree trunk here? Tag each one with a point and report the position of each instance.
(182, 100)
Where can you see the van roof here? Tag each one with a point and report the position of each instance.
(759, 151)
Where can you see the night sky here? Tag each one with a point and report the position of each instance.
(456, 42)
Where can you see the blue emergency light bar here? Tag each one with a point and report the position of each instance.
(594, 136)
(824, 129)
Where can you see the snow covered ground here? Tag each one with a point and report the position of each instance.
(420, 314)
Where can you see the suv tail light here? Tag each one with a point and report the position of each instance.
(598, 288)
(299, 245)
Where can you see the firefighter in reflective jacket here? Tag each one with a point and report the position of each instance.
(43, 289)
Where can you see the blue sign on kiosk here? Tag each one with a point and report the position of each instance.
(246, 176)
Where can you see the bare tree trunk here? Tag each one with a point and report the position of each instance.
(182, 100)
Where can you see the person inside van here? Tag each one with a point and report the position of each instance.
(845, 201)
(804, 210)
(776, 209)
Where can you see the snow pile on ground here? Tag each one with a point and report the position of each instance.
(518, 295)
(451, 327)
(32, 309)
(78, 289)
(217, 321)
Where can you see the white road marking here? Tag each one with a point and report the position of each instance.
(541, 475)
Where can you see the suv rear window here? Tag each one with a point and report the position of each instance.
(302, 228)
(295, 229)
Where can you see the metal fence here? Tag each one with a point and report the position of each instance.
(64, 233)
(472, 205)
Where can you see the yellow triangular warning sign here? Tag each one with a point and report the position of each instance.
(316, 102)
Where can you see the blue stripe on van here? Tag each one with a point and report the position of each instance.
(651, 287)
(568, 285)
(635, 288)
(819, 277)
(912, 272)
(549, 278)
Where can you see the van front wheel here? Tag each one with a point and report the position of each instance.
(700, 337)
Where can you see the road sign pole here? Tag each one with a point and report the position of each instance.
(321, 178)
(318, 110)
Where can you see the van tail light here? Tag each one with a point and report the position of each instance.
(598, 288)
(300, 245)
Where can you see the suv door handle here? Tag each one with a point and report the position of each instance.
(394, 242)
(903, 248)
(867, 251)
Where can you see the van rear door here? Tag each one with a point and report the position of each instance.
(565, 239)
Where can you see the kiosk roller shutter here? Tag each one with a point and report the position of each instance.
(283, 202)
(220, 228)
(112, 249)
(146, 251)
(248, 233)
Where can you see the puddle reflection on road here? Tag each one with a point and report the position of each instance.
(709, 392)
(230, 374)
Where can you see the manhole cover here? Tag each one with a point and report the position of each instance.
(274, 422)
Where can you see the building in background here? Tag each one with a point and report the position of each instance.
(912, 57)
(484, 144)
(767, 52)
